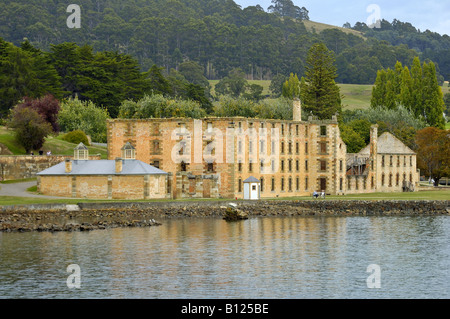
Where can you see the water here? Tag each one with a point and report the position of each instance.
(289, 257)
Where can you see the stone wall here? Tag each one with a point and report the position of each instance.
(26, 166)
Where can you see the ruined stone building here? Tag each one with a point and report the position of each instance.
(385, 165)
(212, 157)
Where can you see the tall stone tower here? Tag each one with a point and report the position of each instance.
(297, 110)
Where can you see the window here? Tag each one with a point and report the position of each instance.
(282, 129)
(261, 166)
(183, 166)
(261, 146)
(250, 167)
(340, 183)
(410, 178)
(240, 147)
(262, 184)
(210, 167)
(273, 184)
(253, 187)
(323, 148)
(306, 148)
(282, 147)
(341, 165)
(323, 130)
(290, 148)
(282, 184)
(282, 165)
(297, 165)
(306, 130)
(365, 182)
(290, 165)
(372, 184)
(297, 183)
(390, 160)
(155, 147)
(410, 161)
(397, 179)
(273, 165)
(239, 185)
(306, 165)
(390, 180)
(297, 148)
(240, 166)
(323, 165)
(290, 184)
(404, 161)
(382, 179)
(382, 161)
(398, 161)
(296, 129)
(156, 164)
(306, 183)
(250, 147)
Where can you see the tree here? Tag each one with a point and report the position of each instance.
(83, 115)
(286, 8)
(46, 106)
(291, 87)
(447, 104)
(433, 155)
(320, 93)
(433, 99)
(276, 84)
(30, 129)
(234, 84)
(157, 82)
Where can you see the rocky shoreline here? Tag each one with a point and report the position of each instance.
(92, 216)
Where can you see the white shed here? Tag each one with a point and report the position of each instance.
(252, 188)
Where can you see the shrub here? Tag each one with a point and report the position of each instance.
(76, 137)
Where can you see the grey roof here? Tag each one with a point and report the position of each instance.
(388, 144)
(103, 167)
(252, 179)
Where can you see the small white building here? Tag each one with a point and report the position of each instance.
(252, 188)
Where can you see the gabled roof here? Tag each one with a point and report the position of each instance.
(252, 179)
(388, 144)
(103, 167)
(81, 146)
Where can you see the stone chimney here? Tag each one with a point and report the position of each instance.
(297, 110)
(68, 165)
(373, 145)
(119, 164)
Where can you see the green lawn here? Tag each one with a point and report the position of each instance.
(55, 144)
(422, 195)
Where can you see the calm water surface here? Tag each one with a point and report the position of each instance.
(289, 257)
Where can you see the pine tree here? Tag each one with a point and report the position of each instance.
(321, 94)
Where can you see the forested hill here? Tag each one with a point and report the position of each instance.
(220, 35)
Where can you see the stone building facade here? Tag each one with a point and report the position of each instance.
(385, 165)
(211, 157)
(121, 178)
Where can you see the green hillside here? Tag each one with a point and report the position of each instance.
(53, 143)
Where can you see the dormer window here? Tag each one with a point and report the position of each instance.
(128, 151)
(81, 152)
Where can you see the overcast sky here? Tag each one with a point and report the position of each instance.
(433, 15)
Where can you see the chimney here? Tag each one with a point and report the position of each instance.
(297, 110)
(68, 165)
(119, 165)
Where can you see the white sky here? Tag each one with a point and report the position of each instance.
(433, 15)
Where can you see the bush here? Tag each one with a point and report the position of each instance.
(76, 137)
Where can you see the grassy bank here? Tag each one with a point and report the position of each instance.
(422, 195)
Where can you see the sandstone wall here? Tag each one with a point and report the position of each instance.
(26, 166)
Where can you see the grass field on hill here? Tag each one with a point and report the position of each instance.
(53, 143)
(356, 96)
